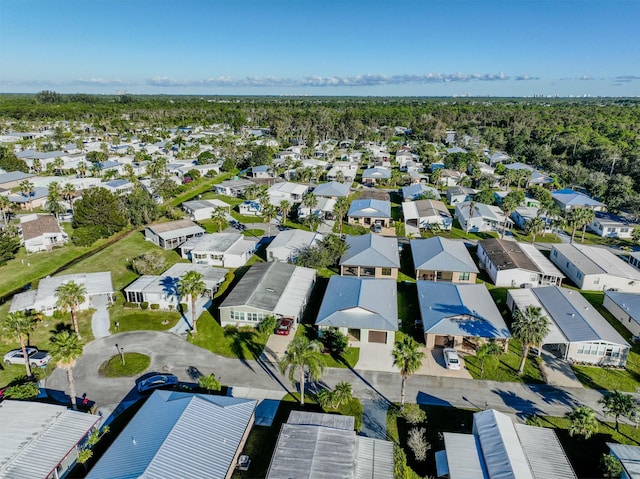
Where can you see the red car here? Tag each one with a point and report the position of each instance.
(284, 326)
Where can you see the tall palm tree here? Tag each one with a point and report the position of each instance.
(340, 209)
(27, 189)
(586, 218)
(219, 216)
(54, 196)
(615, 403)
(436, 176)
(583, 421)
(82, 169)
(36, 166)
(285, 208)
(268, 213)
(19, 324)
(310, 201)
(342, 393)
(407, 357)
(531, 327)
(573, 218)
(5, 207)
(508, 206)
(304, 358)
(534, 227)
(70, 296)
(69, 193)
(66, 348)
(192, 285)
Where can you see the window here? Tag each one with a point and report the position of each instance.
(236, 315)
(555, 253)
(463, 276)
(533, 277)
(386, 271)
(624, 230)
(596, 280)
(579, 275)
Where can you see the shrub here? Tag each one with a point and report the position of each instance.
(144, 305)
(152, 262)
(334, 341)
(27, 390)
(413, 414)
(127, 304)
(155, 306)
(418, 443)
(87, 235)
(230, 330)
(267, 325)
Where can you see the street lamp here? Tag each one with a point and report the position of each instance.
(120, 352)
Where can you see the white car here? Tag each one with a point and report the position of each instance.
(451, 358)
(36, 358)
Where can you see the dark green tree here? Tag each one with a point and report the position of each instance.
(100, 210)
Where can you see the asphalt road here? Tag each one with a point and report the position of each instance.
(173, 354)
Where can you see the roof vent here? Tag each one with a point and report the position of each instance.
(271, 290)
(133, 440)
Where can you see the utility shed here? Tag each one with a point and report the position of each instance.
(629, 457)
(325, 446)
(39, 440)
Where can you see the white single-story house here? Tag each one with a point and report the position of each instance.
(200, 210)
(577, 331)
(323, 209)
(349, 170)
(422, 214)
(234, 188)
(287, 190)
(523, 214)
(41, 440)
(536, 177)
(625, 307)
(317, 445)
(414, 192)
(498, 448)
(482, 218)
(43, 298)
(594, 268)
(368, 212)
(41, 233)
(365, 309)
(609, 225)
(568, 198)
(12, 179)
(287, 244)
(229, 250)
(118, 187)
(332, 189)
(458, 315)
(514, 264)
(460, 194)
(441, 259)
(250, 207)
(163, 289)
(371, 255)
(154, 442)
(172, 234)
(372, 176)
(36, 199)
(268, 289)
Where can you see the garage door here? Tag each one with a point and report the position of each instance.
(377, 336)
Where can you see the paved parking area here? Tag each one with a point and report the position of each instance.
(376, 357)
(557, 372)
(433, 365)
(277, 346)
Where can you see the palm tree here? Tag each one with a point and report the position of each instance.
(219, 216)
(303, 357)
(268, 213)
(587, 216)
(573, 218)
(19, 324)
(82, 169)
(210, 383)
(27, 189)
(534, 227)
(436, 176)
(583, 422)
(69, 193)
(70, 296)
(531, 327)
(36, 166)
(486, 349)
(342, 393)
(310, 201)
(251, 192)
(53, 199)
(66, 348)
(5, 207)
(508, 205)
(192, 285)
(284, 207)
(407, 357)
(615, 403)
(340, 209)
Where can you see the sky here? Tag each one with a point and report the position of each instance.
(322, 47)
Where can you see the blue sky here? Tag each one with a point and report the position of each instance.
(322, 47)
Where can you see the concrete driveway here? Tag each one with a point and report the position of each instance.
(100, 321)
(277, 345)
(433, 365)
(376, 357)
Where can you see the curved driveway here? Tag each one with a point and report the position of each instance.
(171, 353)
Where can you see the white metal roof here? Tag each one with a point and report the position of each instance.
(595, 260)
(295, 293)
(177, 434)
(629, 456)
(544, 452)
(374, 458)
(36, 437)
(543, 264)
(463, 457)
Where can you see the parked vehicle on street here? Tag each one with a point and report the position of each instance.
(155, 381)
(451, 358)
(36, 358)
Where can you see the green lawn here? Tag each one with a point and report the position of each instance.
(117, 259)
(197, 187)
(134, 364)
(585, 454)
(130, 319)
(504, 367)
(409, 310)
(241, 343)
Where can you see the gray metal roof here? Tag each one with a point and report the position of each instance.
(377, 172)
(595, 260)
(167, 282)
(216, 242)
(575, 316)
(370, 208)
(177, 434)
(463, 457)
(294, 240)
(361, 303)
(37, 436)
(371, 250)
(629, 456)
(629, 302)
(411, 191)
(14, 176)
(175, 229)
(334, 421)
(195, 205)
(459, 309)
(333, 188)
(569, 197)
(501, 449)
(441, 254)
(544, 452)
(375, 458)
(264, 284)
